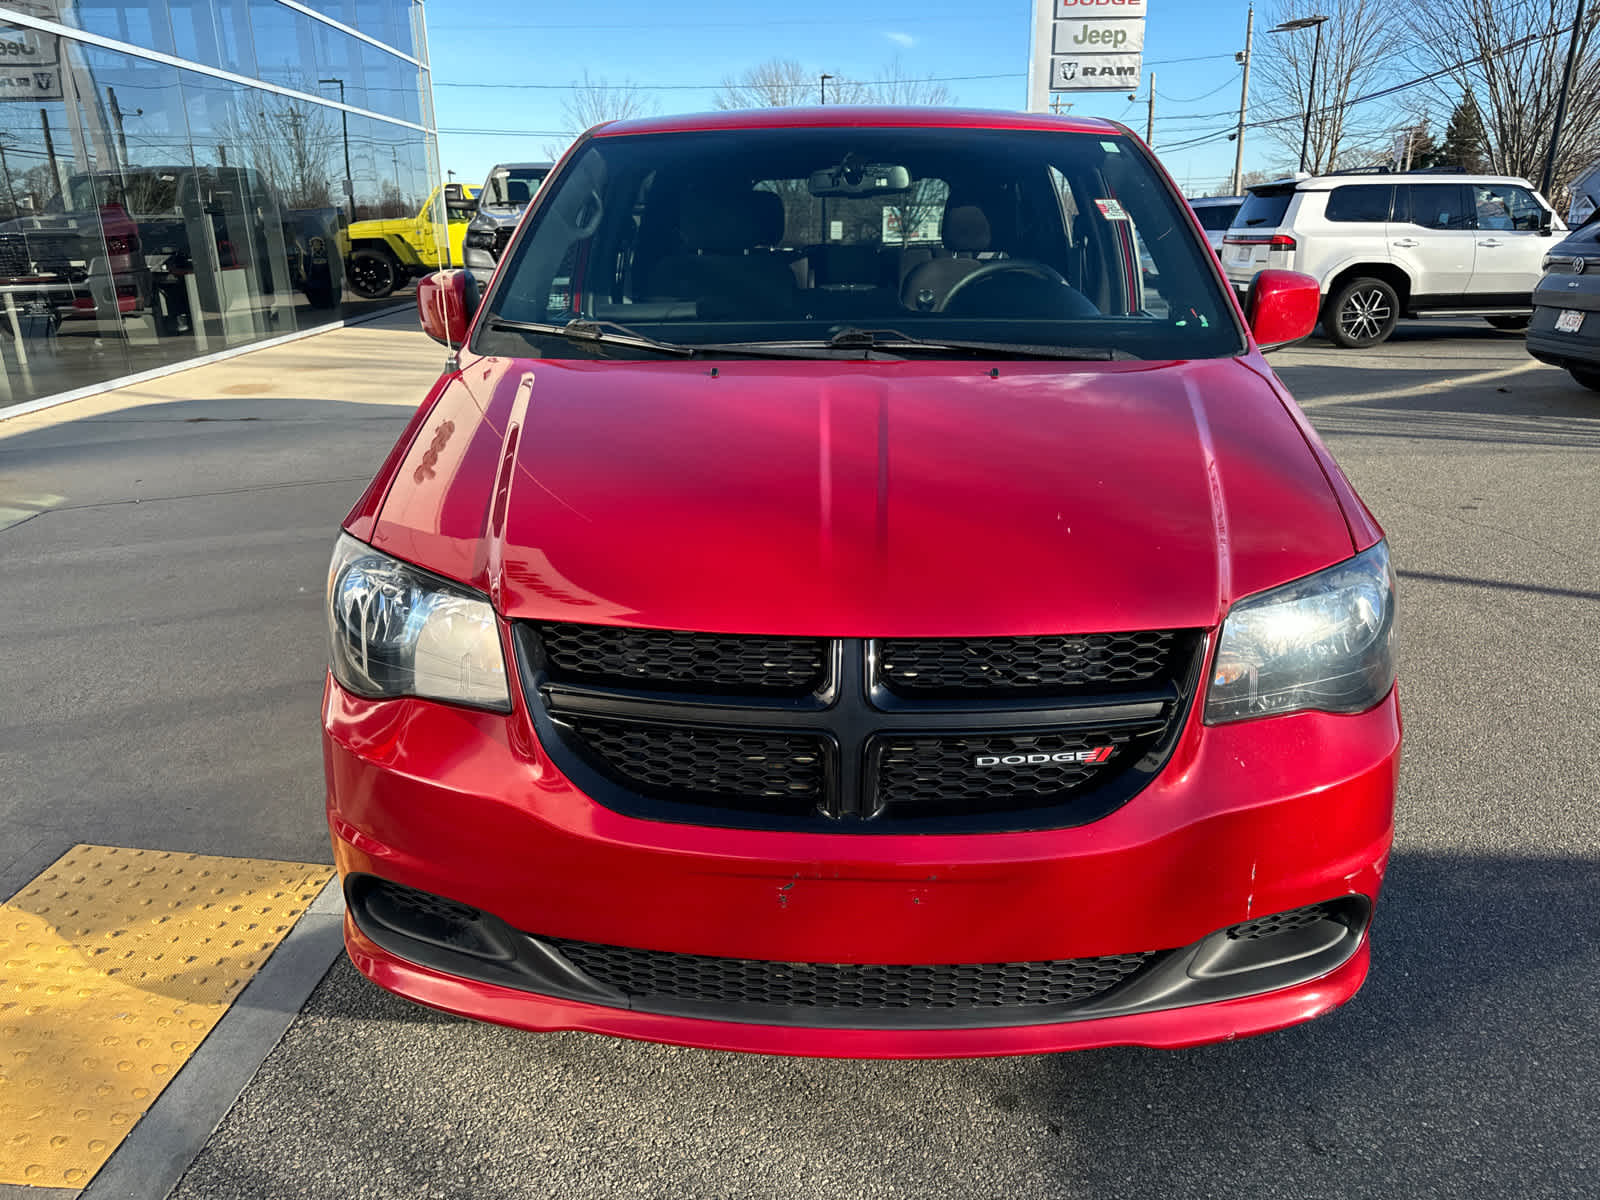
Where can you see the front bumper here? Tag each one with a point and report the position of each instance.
(1248, 819)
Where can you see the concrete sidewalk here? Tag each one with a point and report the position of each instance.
(164, 546)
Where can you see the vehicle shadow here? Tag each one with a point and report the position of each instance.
(1464, 1068)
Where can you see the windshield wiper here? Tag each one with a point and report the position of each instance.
(893, 341)
(605, 332)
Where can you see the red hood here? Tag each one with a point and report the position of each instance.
(855, 499)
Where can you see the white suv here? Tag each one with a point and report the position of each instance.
(1387, 246)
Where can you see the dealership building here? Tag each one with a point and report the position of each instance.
(177, 176)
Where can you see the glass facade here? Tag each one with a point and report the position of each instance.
(152, 213)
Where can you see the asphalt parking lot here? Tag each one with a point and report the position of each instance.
(163, 651)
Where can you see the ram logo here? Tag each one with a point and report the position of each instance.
(1090, 757)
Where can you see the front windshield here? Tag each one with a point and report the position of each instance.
(1062, 240)
(512, 187)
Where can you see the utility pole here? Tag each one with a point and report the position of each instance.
(5, 169)
(1150, 119)
(1561, 104)
(116, 117)
(1244, 102)
(50, 149)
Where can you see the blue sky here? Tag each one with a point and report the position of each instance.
(685, 48)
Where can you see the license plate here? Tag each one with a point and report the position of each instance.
(1570, 321)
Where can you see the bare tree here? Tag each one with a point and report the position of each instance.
(595, 101)
(894, 85)
(1508, 57)
(772, 84)
(1360, 40)
(783, 81)
(296, 146)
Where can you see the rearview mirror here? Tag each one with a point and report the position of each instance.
(1281, 308)
(446, 302)
(859, 179)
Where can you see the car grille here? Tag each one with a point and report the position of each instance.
(670, 661)
(850, 735)
(942, 776)
(1284, 922)
(502, 238)
(14, 262)
(772, 771)
(978, 667)
(652, 975)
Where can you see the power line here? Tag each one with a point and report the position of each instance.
(1395, 89)
(799, 85)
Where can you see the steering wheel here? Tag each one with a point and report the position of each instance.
(1024, 266)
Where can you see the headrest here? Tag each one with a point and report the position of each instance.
(518, 191)
(771, 218)
(965, 229)
(721, 220)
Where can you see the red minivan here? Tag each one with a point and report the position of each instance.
(858, 589)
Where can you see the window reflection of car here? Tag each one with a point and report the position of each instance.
(236, 209)
(70, 263)
(505, 195)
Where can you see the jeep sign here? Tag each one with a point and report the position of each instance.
(1084, 45)
(1117, 72)
(1099, 37)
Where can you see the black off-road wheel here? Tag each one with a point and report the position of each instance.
(1361, 314)
(373, 274)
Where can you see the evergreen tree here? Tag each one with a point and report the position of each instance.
(1464, 142)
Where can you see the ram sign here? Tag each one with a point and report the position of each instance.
(1083, 46)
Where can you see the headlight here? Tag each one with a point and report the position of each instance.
(398, 631)
(1323, 642)
(479, 239)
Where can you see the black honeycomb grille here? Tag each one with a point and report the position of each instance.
(932, 668)
(502, 238)
(664, 660)
(1284, 922)
(653, 974)
(943, 775)
(782, 772)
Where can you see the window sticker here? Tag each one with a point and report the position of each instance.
(1111, 210)
(1111, 147)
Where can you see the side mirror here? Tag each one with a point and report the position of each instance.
(1282, 308)
(1547, 221)
(446, 302)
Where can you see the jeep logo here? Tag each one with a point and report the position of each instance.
(1093, 757)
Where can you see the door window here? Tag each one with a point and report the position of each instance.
(1507, 207)
(1360, 202)
(1437, 206)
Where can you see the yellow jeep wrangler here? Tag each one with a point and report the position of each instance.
(381, 255)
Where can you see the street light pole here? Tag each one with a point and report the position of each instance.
(344, 125)
(1561, 104)
(1316, 21)
(1311, 92)
(822, 88)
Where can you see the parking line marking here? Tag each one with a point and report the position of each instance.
(114, 965)
(1448, 383)
(14, 510)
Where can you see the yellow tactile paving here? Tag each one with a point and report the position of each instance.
(114, 965)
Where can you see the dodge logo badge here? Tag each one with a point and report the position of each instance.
(1093, 757)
